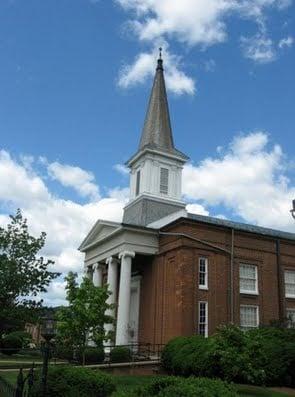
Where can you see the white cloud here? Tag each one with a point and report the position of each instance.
(144, 67)
(80, 180)
(259, 48)
(197, 209)
(286, 42)
(65, 221)
(122, 169)
(248, 178)
(192, 23)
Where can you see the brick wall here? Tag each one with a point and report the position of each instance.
(170, 293)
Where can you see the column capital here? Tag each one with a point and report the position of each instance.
(129, 254)
(112, 259)
(97, 265)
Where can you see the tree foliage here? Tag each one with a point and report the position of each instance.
(23, 274)
(85, 316)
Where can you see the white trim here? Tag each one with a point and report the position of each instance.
(203, 286)
(206, 319)
(135, 158)
(150, 196)
(249, 292)
(257, 316)
(168, 219)
(292, 296)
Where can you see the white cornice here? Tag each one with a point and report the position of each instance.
(141, 153)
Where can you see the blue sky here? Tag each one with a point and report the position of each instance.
(75, 76)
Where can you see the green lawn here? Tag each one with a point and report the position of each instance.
(127, 383)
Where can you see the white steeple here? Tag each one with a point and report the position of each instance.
(156, 168)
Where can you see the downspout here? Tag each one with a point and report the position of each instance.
(280, 281)
(232, 276)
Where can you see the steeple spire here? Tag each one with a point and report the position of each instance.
(156, 167)
(157, 133)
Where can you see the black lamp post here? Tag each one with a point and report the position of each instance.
(48, 332)
(293, 209)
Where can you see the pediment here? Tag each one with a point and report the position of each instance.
(100, 230)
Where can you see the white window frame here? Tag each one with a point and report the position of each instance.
(291, 324)
(164, 188)
(203, 286)
(247, 327)
(286, 294)
(205, 323)
(249, 292)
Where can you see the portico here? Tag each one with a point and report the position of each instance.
(112, 252)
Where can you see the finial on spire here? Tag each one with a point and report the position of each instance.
(160, 60)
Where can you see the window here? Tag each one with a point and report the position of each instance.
(164, 176)
(248, 279)
(290, 283)
(203, 273)
(203, 318)
(290, 314)
(249, 317)
(137, 190)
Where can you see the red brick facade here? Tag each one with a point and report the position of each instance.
(170, 287)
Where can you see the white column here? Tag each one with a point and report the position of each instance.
(97, 275)
(112, 287)
(124, 298)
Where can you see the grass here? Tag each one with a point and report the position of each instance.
(127, 383)
(18, 360)
(10, 376)
(251, 391)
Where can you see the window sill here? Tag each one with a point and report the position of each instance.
(290, 296)
(249, 293)
(202, 287)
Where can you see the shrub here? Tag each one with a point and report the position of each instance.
(74, 382)
(25, 337)
(264, 356)
(189, 387)
(93, 355)
(188, 356)
(11, 344)
(120, 354)
(233, 356)
(63, 352)
(276, 354)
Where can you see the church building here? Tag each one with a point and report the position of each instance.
(173, 273)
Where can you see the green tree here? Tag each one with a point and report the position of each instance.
(85, 315)
(23, 274)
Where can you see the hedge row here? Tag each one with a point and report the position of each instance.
(74, 382)
(93, 355)
(172, 386)
(263, 356)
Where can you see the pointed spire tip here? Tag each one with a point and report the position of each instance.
(160, 60)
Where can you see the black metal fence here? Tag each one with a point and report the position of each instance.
(29, 359)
